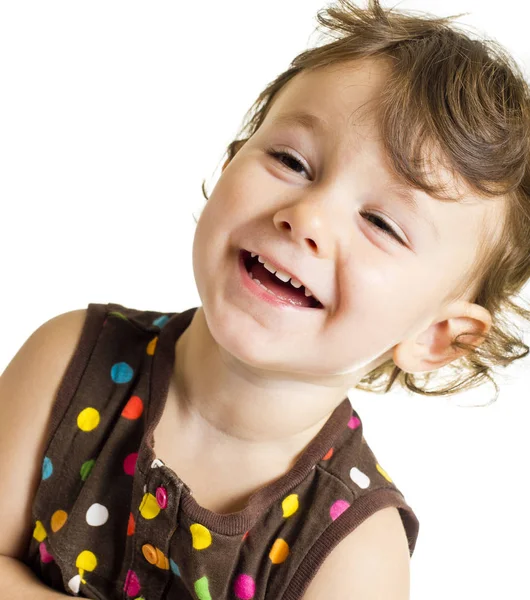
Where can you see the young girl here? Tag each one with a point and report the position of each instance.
(214, 453)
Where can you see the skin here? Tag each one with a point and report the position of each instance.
(260, 382)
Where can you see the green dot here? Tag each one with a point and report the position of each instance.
(115, 313)
(86, 468)
(201, 589)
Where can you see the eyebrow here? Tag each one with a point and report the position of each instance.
(317, 125)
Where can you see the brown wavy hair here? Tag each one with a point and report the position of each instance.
(468, 98)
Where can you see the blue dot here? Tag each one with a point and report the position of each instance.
(174, 567)
(161, 321)
(47, 468)
(121, 372)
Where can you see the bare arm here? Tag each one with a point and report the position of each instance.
(20, 583)
(28, 388)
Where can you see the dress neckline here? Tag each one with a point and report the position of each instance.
(236, 522)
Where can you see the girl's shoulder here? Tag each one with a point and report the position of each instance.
(28, 389)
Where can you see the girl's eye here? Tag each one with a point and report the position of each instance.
(279, 155)
(387, 229)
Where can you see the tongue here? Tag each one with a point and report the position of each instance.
(285, 291)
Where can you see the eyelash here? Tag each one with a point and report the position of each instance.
(389, 232)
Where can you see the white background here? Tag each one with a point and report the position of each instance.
(112, 114)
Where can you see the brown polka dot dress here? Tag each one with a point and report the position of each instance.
(111, 520)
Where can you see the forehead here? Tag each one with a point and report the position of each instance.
(338, 95)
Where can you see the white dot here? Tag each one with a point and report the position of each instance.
(74, 584)
(97, 515)
(360, 478)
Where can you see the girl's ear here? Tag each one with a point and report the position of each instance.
(431, 349)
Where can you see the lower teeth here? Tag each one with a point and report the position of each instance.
(260, 284)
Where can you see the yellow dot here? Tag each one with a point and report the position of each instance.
(279, 551)
(151, 346)
(86, 561)
(149, 508)
(39, 533)
(58, 520)
(290, 505)
(88, 419)
(201, 537)
(383, 472)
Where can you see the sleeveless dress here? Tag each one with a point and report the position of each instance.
(111, 520)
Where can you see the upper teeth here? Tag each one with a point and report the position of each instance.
(282, 275)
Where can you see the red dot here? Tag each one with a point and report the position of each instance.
(129, 464)
(130, 525)
(133, 409)
(329, 454)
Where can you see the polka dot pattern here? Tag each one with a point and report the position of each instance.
(45, 556)
(328, 454)
(58, 519)
(201, 537)
(359, 478)
(129, 464)
(161, 321)
(151, 347)
(202, 589)
(174, 567)
(86, 561)
(133, 409)
(131, 525)
(156, 507)
(88, 419)
(47, 468)
(86, 467)
(290, 505)
(149, 508)
(132, 585)
(121, 372)
(279, 551)
(75, 583)
(39, 533)
(97, 515)
(383, 472)
(337, 508)
(244, 587)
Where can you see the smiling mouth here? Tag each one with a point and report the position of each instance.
(283, 290)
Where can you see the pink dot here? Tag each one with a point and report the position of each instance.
(337, 508)
(129, 464)
(244, 587)
(132, 585)
(161, 496)
(354, 422)
(45, 556)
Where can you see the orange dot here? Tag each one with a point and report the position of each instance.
(150, 553)
(329, 454)
(58, 520)
(134, 408)
(151, 346)
(130, 525)
(279, 551)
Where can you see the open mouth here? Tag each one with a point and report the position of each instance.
(283, 289)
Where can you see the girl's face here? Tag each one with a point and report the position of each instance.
(334, 217)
